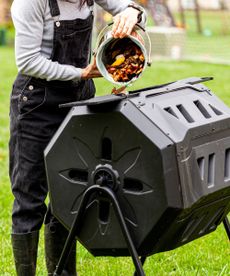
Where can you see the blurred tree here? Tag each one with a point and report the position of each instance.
(198, 18)
(182, 14)
(223, 4)
(160, 12)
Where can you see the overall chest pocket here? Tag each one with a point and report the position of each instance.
(31, 98)
(73, 47)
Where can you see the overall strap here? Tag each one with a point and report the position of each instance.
(90, 3)
(54, 8)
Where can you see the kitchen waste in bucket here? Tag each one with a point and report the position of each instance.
(122, 61)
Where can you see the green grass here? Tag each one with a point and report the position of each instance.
(209, 255)
(214, 42)
(215, 21)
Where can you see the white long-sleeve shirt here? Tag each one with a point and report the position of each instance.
(34, 35)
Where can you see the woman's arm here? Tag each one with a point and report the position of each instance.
(28, 21)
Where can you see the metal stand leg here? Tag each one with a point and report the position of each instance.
(227, 227)
(76, 227)
(143, 259)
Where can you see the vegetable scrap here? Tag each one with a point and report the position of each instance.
(124, 60)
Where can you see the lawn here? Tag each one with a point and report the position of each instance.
(213, 43)
(209, 255)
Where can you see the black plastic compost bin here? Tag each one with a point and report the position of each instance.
(163, 151)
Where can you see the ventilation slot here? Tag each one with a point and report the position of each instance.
(211, 170)
(106, 149)
(170, 111)
(200, 162)
(104, 207)
(227, 165)
(185, 113)
(202, 109)
(132, 185)
(215, 110)
(78, 175)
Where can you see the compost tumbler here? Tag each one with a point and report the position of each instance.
(163, 151)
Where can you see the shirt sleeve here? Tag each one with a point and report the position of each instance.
(114, 7)
(28, 19)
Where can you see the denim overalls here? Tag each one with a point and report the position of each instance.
(35, 116)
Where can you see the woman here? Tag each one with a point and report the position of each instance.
(52, 47)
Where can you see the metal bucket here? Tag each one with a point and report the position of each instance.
(105, 41)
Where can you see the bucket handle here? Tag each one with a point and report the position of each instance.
(101, 34)
(149, 62)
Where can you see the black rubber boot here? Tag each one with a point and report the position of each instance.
(55, 237)
(25, 253)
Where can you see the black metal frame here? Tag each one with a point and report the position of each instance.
(76, 228)
(227, 226)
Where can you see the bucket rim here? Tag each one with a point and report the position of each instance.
(101, 67)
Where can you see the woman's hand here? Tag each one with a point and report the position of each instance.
(124, 22)
(90, 71)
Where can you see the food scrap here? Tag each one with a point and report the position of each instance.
(124, 61)
(119, 91)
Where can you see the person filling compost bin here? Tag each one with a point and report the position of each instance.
(52, 50)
